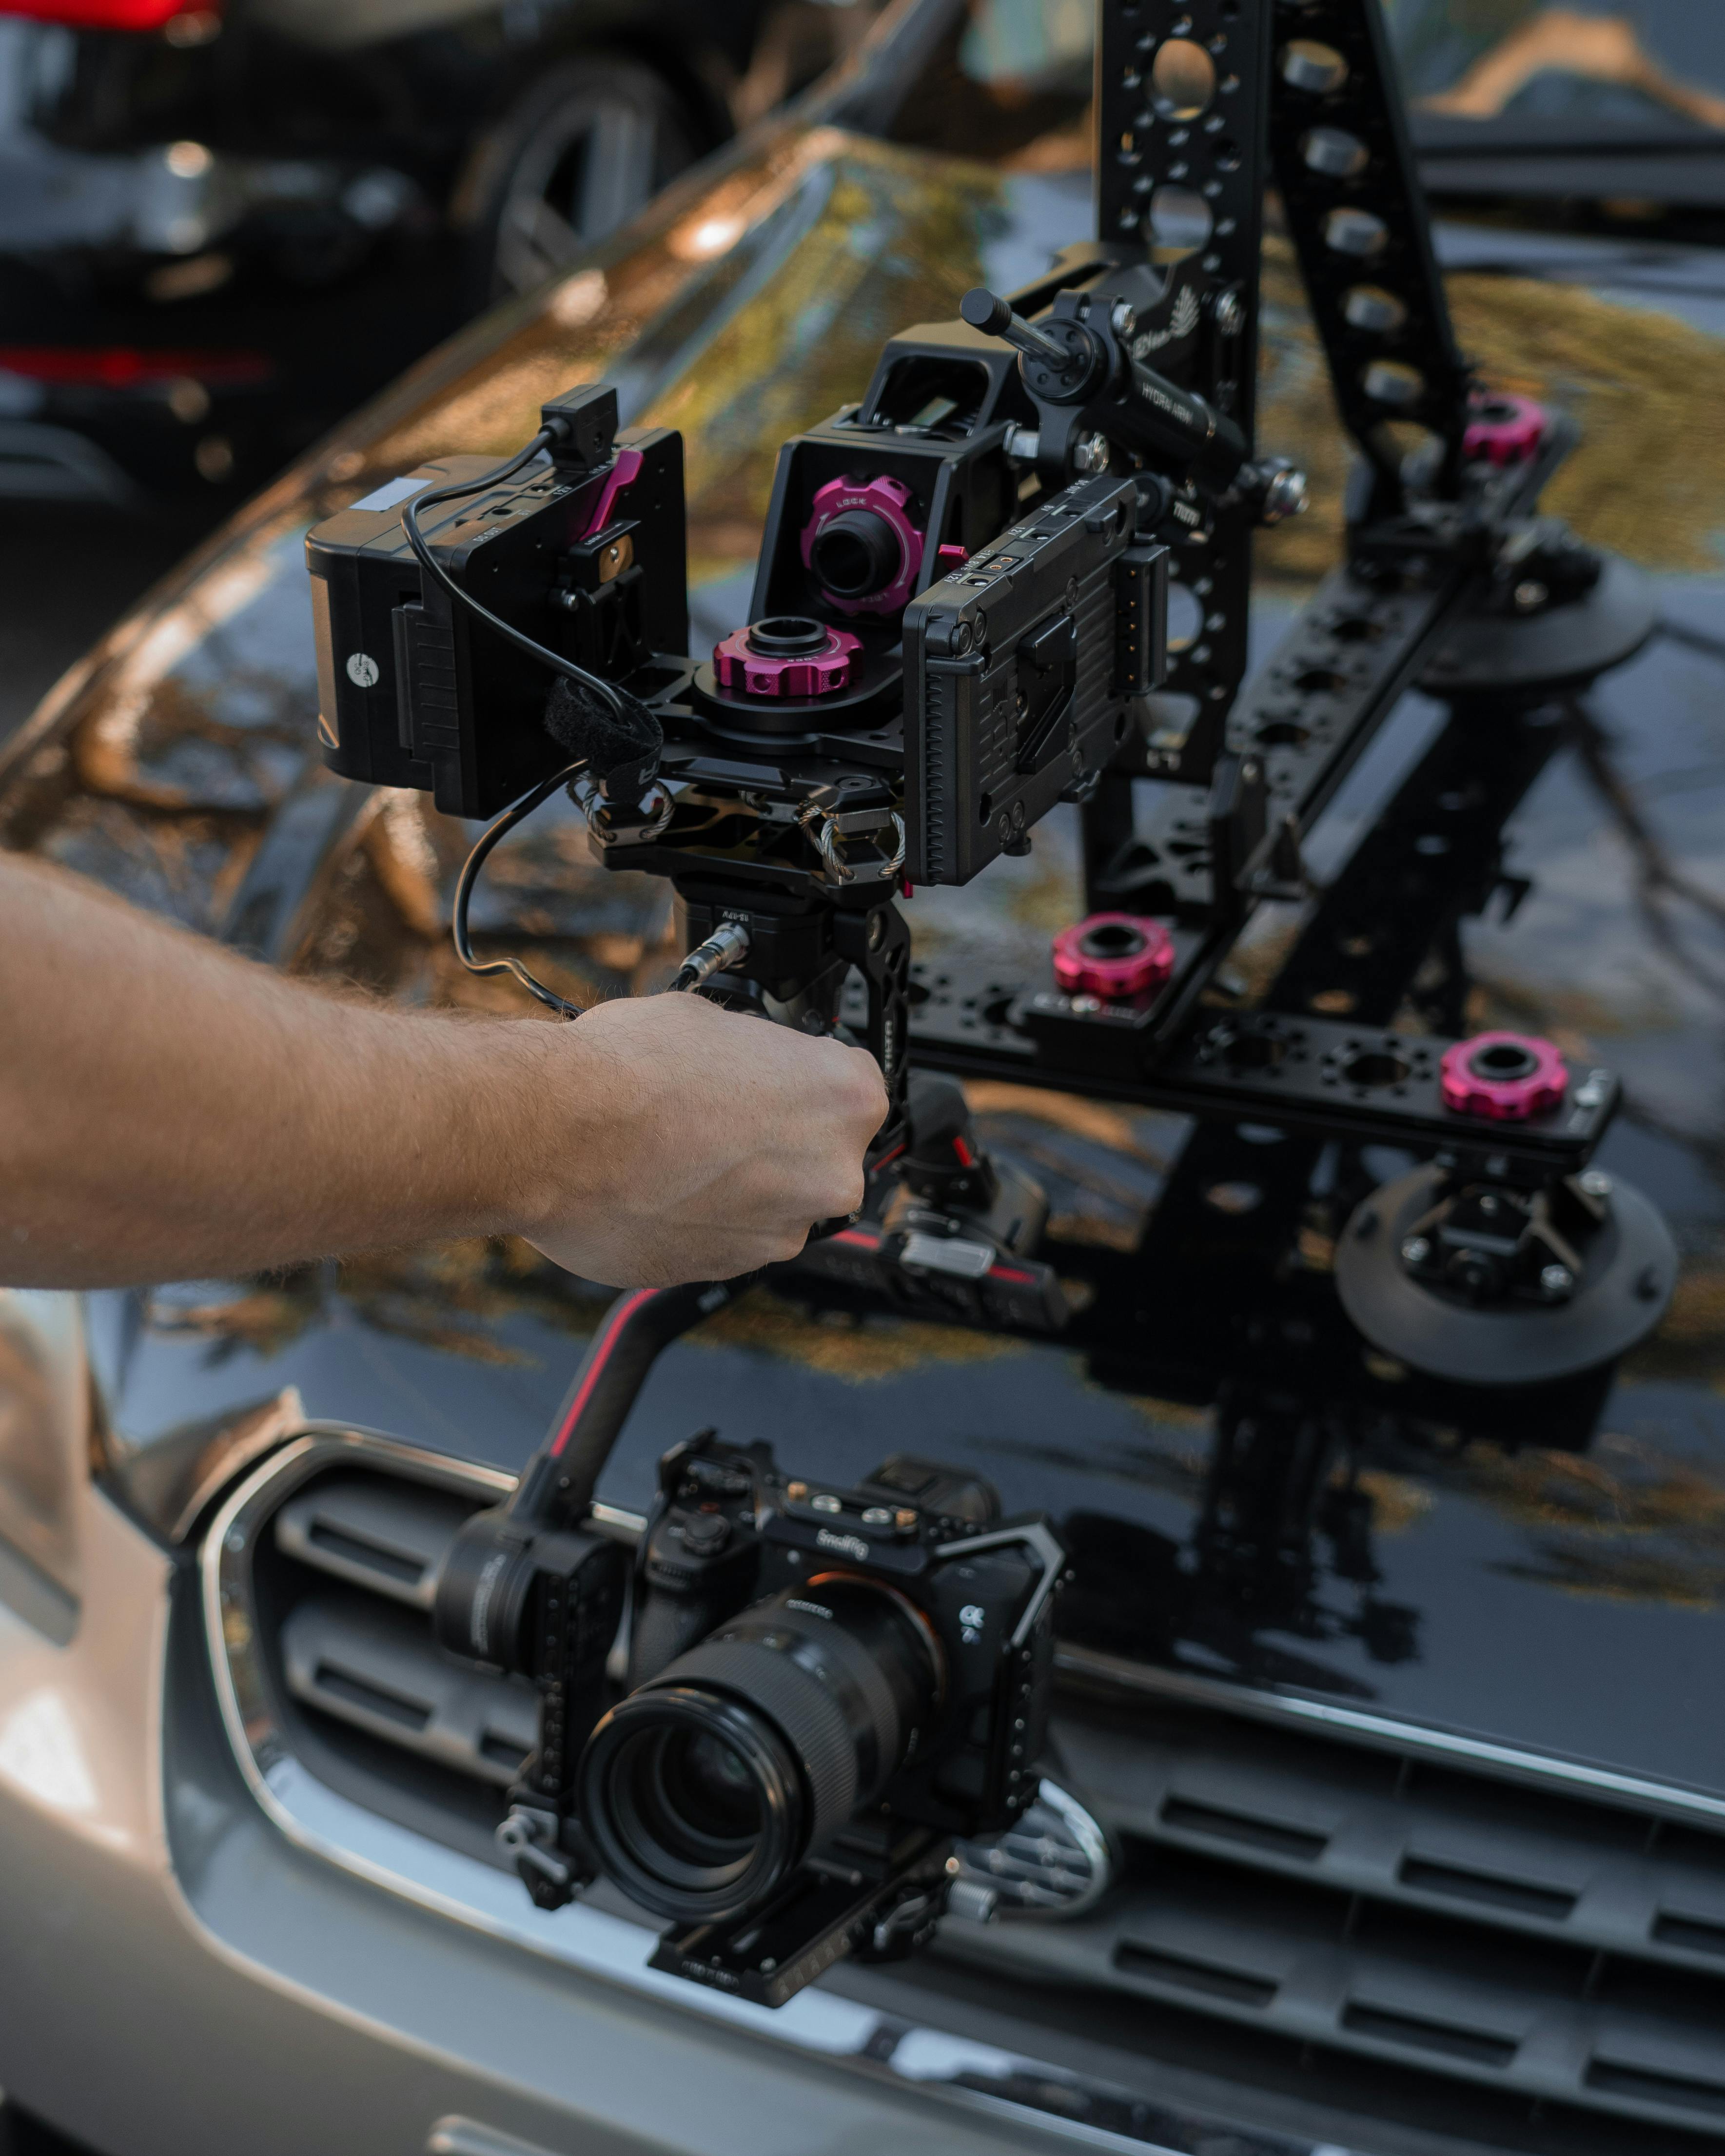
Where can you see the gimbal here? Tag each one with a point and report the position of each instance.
(961, 618)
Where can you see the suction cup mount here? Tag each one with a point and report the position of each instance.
(1484, 1283)
(1555, 618)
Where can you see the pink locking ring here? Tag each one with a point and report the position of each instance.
(1503, 429)
(1509, 1077)
(1118, 957)
(861, 545)
(785, 655)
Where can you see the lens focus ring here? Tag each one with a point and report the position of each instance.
(803, 1707)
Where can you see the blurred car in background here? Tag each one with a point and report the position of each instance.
(1616, 106)
(1612, 108)
(222, 226)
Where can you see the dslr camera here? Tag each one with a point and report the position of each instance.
(821, 1688)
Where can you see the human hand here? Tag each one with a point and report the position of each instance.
(692, 1143)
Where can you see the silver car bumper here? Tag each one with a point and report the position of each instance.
(196, 1961)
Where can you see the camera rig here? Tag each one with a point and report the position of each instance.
(961, 617)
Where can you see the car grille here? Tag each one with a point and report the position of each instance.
(1516, 1966)
(1557, 1955)
(347, 1577)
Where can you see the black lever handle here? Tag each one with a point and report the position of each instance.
(987, 311)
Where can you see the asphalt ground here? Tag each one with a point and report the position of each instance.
(66, 572)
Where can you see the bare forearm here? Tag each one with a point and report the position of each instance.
(167, 1109)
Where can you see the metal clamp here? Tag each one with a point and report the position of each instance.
(527, 1839)
(835, 827)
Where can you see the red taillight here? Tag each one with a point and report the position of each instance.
(132, 366)
(105, 14)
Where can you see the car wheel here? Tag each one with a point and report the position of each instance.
(572, 159)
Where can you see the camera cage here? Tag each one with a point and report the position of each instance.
(960, 617)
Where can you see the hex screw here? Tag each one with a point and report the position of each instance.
(1415, 1250)
(1594, 1182)
(1558, 1280)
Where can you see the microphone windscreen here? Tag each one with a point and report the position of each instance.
(621, 747)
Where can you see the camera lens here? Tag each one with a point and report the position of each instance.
(855, 554)
(709, 1785)
(697, 1794)
(704, 1789)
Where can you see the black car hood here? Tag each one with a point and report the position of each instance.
(1556, 1584)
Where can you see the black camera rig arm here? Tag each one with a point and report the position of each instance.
(961, 618)
(962, 615)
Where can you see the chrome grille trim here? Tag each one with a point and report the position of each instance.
(1575, 1778)
(1065, 2107)
(1055, 1864)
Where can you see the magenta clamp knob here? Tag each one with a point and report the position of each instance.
(1503, 429)
(1118, 957)
(787, 655)
(1506, 1076)
(861, 545)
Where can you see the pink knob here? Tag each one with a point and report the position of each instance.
(1506, 1076)
(875, 570)
(1115, 955)
(785, 655)
(1503, 429)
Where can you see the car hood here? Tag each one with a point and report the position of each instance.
(1559, 1586)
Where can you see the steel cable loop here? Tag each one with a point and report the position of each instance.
(827, 843)
(597, 810)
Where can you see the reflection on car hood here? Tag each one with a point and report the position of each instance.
(1551, 1589)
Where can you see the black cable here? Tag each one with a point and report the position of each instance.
(470, 875)
(529, 801)
(432, 568)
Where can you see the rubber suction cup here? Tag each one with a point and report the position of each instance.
(1524, 659)
(1623, 1290)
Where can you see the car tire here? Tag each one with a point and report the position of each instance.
(574, 157)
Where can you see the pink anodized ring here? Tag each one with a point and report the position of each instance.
(740, 663)
(1115, 955)
(888, 499)
(1504, 429)
(1507, 1077)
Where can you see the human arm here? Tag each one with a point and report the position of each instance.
(169, 1109)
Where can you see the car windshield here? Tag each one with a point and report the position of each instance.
(1600, 67)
